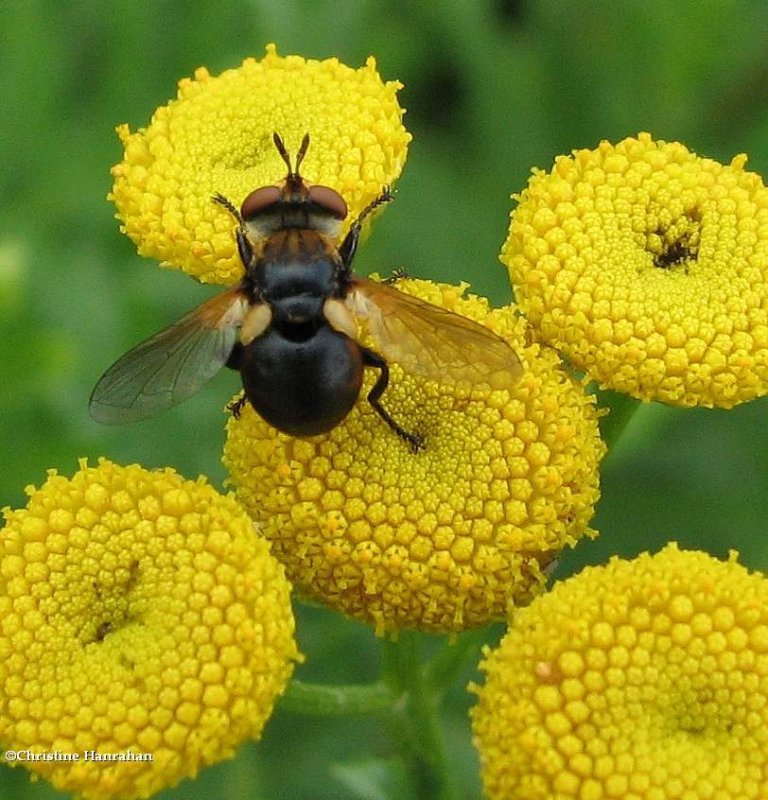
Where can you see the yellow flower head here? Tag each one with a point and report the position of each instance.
(648, 267)
(217, 137)
(445, 539)
(637, 680)
(139, 614)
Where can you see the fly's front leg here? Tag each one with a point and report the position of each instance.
(348, 247)
(371, 359)
(244, 249)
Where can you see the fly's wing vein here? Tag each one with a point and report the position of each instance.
(171, 365)
(431, 341)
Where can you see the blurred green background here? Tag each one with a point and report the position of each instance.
(492, 88)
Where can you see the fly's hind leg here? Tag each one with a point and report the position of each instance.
(235, 407)
(371, 359)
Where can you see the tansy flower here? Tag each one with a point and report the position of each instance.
(441, 540)
(139, 614)
(217, 137)
(637, 680)
(647, 266)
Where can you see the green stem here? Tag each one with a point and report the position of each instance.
(417, 725)
(442, 670)
(409, 695)
(324, 700)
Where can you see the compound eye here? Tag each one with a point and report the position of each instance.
(260, 200)
(328, 200)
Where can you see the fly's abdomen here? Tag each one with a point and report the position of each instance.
(302, 388)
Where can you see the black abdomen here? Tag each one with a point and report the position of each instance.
(302, 388)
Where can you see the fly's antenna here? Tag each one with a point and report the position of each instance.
(280, 145)
(302, 151)
(276, 138)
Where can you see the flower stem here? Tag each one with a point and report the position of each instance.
(408, 695)
(441, 671)
(416, 726)
(318, 699)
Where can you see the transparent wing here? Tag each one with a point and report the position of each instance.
(431, 341)
(171, 365)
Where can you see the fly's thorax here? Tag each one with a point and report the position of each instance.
(298, 317)
(296, 262)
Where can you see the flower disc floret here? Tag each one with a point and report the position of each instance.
(139, 614)
(447, 538)
(647, 266)
(216, 137)
(637, 680)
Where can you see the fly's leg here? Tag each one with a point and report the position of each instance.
(371, 359)
(244, 249)
(348, 247)
(235, 407)
(398, 274)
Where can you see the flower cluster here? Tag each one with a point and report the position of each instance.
(647, 266)
(139, 614)
(444, 540)
(639, 679)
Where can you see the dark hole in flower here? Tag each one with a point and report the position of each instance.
(676, 244)
(675, 254)
(103, 630)
(91, 636)
(115, 602)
